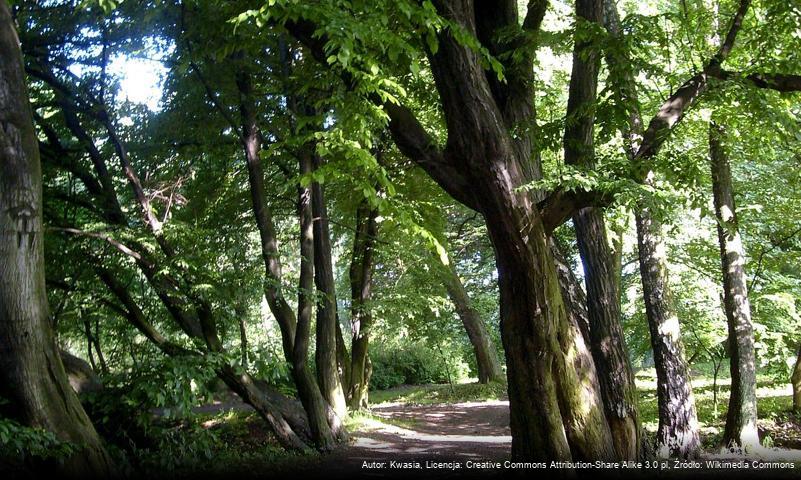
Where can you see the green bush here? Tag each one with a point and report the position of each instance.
(415, 364)
(19, 442)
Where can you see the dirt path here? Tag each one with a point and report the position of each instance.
(412, 435)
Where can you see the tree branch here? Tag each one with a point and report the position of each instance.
(409, 135)
(772, 81)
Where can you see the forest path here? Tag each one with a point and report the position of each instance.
(411, 435)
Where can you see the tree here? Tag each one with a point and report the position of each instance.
(361, 284)
(678, 433)
(333, 382)
(325, 425)
(603, 297)
(33, 375)
(796, 381)
(741, 418)
(484, 165)
(489, 367)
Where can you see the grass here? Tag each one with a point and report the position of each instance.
(364, 419)
(778, 426)
(430, 394)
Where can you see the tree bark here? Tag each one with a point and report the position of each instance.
(796, 382)
(32, 376)
(678, 424)
(606, 334)
(581, 401)
(489, 367)
(678, 433)
(361, 283)
(741, 418)
(329, 371)
(308, 390)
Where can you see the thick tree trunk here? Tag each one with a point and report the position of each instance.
(32, 376)
(678, 433)
(329, 374)
(489, 367)
(481, 154)
(361, 283)
(796, 382)
(741, 418)
(581, 401)
(606, 334)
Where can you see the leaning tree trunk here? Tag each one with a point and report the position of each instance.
(678, 433)
(606, 333)
(32, 376)
(326, 355)
(488, 365)
(741, 418)
(796, 381)
(361, 283)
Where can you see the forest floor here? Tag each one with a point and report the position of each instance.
(401, 439)
(428, 429)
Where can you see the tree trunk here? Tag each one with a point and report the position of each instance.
(284, 422)
(617, 258)
(606, 334)
(32, 376)
(308, 390)
(483, 167)
(100, 356)
(587, 429)
(678, 433)
(678, 425)
(796, 381)
(87, 327)
(241, 316)
(531, 305)
(741, 418)
(489, 367)
(324, 424)
(343, 362)
(361, 283)
(329, 374)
